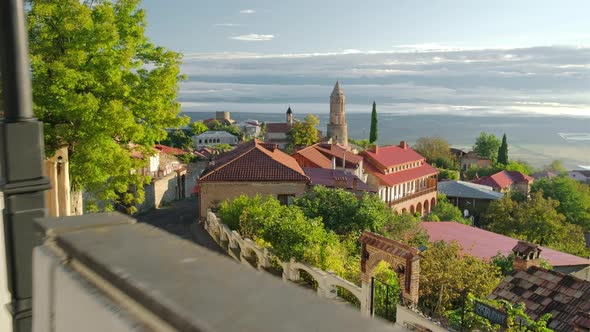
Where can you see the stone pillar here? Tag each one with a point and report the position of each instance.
(366, 298)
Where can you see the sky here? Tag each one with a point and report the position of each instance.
(467, 56)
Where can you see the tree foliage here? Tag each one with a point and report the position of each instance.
(197, 128)
(487, 146)
(573, 198)
(445, 211)
(536, 220)
(364, 144)
(503, 152)
(517, 320)
(374, 130)
(446, 276)
(102, 90)
(555, 166)
(304, 133)
(435, 149)
(179, 138)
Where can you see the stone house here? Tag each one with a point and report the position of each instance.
(278, 132)
(402, 178)
(252, 168)
(472, 159)
(506, 181)
(250, 128)
(213, 138)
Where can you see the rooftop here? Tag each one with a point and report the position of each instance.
(464, 189)
(503, 179)
(485, 244)
(388, 156)
(254, 161)
(215, 133)
(277, 127)
(330, 177)
(169, 150)
(398, 177)
(565, 297)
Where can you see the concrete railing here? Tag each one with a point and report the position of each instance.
(104, 272)
(242, 249)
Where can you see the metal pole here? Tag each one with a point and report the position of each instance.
(21, 162)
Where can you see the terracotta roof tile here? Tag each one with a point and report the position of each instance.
(338, 151)
(388, 156)
(503, 179)
(313, 155)
(486, 244)
(251, 161)
(277, 127)
(552, 298)
(169, 150)
(328, 177)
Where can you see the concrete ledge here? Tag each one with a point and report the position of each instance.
(189, 287)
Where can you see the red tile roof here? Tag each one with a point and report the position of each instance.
(335, 150)
(313, 155)
(398, 177)
(388, 156)
(329, 177)
(277, 127)
(485, 244)
(169, 150)
(253, 161)
(503, 179)
(565, 297)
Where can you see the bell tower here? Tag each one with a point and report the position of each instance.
(337, 128)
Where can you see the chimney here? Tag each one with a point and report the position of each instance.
(340, 182)
(376, 148)
(526, 255)
(333, 162)
(403, 145)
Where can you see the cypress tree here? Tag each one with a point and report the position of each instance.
(373, 133)
(503, 152)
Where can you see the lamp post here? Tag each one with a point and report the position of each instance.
(21, 162)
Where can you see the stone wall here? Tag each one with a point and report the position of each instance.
(213, 193)
(161, 191)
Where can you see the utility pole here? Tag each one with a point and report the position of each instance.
(21, 162)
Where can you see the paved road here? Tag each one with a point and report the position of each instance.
(180, 218)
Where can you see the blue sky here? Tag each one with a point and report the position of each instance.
(423, 55)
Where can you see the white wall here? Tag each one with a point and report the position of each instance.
(5, 319)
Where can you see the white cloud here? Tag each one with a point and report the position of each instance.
(253, 37)
(247, 11)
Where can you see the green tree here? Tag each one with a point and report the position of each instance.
(446, 275)
(446, 174)
(503, 152)
(178, 138)
(198, 127)
(536, 220)
(364, 144)
(435, 149)
(487, 146)
(304, 133)
(102, 90)
(374, 130)
(445, 211)
(573, 197)
(555, 166)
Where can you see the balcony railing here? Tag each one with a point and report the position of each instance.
(413, 195)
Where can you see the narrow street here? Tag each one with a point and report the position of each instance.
(180, 218)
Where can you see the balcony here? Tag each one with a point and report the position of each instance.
(413, 195)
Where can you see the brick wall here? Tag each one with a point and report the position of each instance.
(213, 193)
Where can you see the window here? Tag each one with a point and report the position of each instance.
(286, 199)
